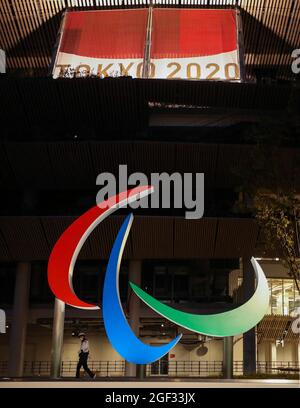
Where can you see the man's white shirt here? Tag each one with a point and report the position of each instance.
(84, 348)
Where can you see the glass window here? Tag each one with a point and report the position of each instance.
(201, 281)
(187, 280)
(181, 280)
(219, 284)
(88, 280)
(276, 296)
(39, 288)
(284, 296)
(162, 283)
(161, 366)
(288, 296)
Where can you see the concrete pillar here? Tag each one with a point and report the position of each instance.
(297, 363)
(293, 354)
(271, 356)
(141, 371)
(17, 341)
(135, 276)
(249, 338)
(228, 357)
(57, 337)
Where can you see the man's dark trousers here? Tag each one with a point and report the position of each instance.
(83, 357)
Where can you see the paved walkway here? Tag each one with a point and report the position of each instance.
(176, 383)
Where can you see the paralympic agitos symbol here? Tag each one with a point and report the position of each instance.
(60, 272)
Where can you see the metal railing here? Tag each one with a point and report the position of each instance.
(185, 369)
(269, 367)
(278, 367)
(3, 368)
(157, 369)
(101, 368)
(36, 368)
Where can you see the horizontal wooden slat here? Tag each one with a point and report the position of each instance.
(119, 105)
(151, 237)
(75, 165)
(272, 328)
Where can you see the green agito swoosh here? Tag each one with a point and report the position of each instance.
(230, 323)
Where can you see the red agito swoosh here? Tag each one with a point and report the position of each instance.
(65, 252)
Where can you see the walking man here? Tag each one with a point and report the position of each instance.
(83, 356)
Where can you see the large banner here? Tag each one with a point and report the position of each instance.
(199, 44)
(102, 43)
(195, 44)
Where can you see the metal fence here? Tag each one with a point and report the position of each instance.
(185, 368)
(278, 367)
(101, 368)
(158, 369)
(3, 368)
(269, 367)
(37, 368)
(68, 368)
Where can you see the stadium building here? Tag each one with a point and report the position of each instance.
(89, 85)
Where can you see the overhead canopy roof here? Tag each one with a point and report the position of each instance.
(32, 238)
(71, 166)
(121, 103)
(74, 165)
(29, 28)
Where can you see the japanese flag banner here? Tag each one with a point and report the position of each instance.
(198, 44)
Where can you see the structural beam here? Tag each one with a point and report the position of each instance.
(228, 357)
(17, 340)
(249, 338)
(57, 338)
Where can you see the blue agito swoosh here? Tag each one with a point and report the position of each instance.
(117, 328)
